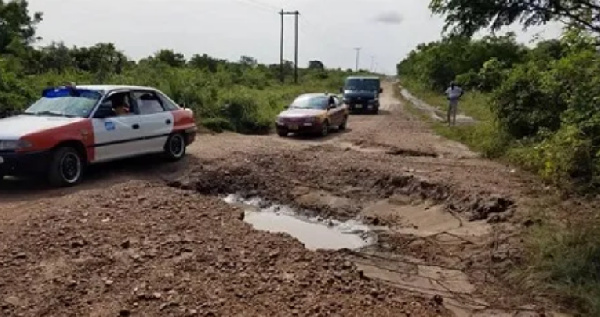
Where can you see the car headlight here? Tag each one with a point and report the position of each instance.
(13, 145)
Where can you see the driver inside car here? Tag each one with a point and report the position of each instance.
(120, 107)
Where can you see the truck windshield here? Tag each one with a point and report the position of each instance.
(362, 84)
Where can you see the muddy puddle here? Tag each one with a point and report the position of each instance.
(314, 232)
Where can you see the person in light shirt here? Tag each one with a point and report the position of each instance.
(453, 93)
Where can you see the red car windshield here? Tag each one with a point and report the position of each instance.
(311, 102)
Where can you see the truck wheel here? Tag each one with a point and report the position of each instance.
(66, 167)
(175, 147)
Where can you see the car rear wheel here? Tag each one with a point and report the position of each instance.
(282, 133)
(325, 128)
(175, 147)
(66, 167)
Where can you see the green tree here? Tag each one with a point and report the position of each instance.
(170, 58)
(466, 17)
(17, 27)
(248, 61)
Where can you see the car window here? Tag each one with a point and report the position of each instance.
(167, 102)
(108, 107)
(148, 102)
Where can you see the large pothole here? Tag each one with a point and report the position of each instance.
(314, 232)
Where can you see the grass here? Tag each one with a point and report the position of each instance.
(484, 136)
(563, 259)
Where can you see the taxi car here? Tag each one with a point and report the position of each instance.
(71, 127)
(315, 113)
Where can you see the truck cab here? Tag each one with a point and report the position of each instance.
(361, 93)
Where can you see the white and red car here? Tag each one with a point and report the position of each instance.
(71, 127)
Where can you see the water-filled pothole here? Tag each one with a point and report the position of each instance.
(314, 232)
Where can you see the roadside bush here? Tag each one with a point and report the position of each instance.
(217, 124)
(246, 112)
(563, 158)
(528, 101)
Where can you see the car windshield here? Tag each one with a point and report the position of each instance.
(76, 103)
(362, 84)
(310, 102)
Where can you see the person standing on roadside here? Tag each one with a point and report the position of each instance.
(453, 93)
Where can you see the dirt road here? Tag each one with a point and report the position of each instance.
(140, 238)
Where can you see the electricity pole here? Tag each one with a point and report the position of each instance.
(296, 50)
(281, 50)
(295, 13)
(357, 57)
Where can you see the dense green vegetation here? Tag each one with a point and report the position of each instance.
(537, 107)
(243, 96)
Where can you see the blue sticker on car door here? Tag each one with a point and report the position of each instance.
(109, 125)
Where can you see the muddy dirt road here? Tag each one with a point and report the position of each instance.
(411, 224)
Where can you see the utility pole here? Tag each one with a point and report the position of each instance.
(295, 13)
(296, 50)
(357, 57)
(281, 50)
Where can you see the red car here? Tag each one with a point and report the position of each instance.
(313, 113)
(71, 127)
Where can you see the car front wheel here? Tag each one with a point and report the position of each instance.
(325, 128)
(175, 147)
(66, 167)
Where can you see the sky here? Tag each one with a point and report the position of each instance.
(329, 30)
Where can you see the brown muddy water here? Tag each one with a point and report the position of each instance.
(314, 232)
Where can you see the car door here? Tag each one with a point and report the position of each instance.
(115, 136)
(338, 112)
(156, 121)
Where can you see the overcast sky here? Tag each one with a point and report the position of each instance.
(329, 29)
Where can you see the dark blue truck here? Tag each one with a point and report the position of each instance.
(361, 93)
